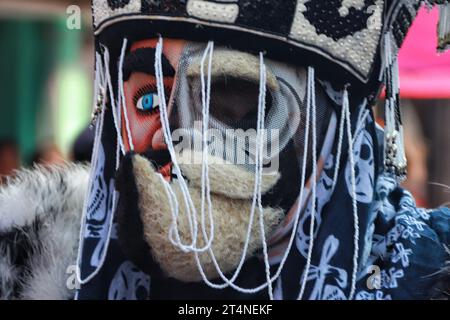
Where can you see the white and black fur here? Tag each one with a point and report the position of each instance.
(40, 213)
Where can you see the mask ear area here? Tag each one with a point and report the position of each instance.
(130, 226)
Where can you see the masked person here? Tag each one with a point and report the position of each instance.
(237, 157)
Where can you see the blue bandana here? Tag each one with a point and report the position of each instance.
(402, 253)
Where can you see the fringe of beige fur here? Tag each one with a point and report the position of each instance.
(225, 178)
(231, 220)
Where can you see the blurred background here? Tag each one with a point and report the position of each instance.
(46, 76)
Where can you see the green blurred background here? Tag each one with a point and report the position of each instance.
(45, 74)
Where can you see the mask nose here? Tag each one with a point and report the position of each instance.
(158, 142)
(161, 161)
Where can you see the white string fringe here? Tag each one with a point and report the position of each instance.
(256, 197)
(168, 139)
(205, 183)
(229, 282)
(311, 102)
(99, 89)
(122, 95)
(191, 211)
(103, 83)
(113, 102)
(259, 166)
(339, 150)
(206, 88)
(394, 149)
(346, 110)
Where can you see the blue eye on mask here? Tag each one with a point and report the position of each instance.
(148, 102)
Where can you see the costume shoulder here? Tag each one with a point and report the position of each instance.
(40, 212)
(409, 248)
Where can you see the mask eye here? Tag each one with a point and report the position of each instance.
(148, 102)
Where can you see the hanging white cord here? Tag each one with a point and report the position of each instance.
(362, 120)
(206, 89)
(105, 78)
(119, 148)
(205, 183)
(205, 188)
(254, 204)
(257, 195)
(190, 208)
(113, 103)
(122, 94)
(99, 88)
(165, 124)
(363, 114)
(259, 165)
(339, 149)
(312, 102)
(174, 235)
(346, 108)
(164, 119)
(243, 256)
(230, 282)
(168, 139)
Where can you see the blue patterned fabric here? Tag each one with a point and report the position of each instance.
(402, 248)
(402, 253)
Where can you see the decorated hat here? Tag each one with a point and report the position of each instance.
(342, 37)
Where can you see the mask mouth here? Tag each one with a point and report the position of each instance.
(161, 162)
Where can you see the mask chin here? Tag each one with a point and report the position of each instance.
(145, 217)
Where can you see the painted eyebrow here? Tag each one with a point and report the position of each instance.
(143, 60)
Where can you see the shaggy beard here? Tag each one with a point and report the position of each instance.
(145, 217)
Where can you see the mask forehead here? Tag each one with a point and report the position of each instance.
(172, 49)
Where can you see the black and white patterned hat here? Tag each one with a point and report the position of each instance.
(342, 37)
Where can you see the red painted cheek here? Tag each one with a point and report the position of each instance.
(143, 129)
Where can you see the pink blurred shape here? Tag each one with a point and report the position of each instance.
(424, 74)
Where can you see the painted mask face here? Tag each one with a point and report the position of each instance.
(168, 203)
(142, 105)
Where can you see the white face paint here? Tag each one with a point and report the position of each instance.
(129, 284)
(364, 168)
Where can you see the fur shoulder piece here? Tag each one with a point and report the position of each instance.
(40, 213)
